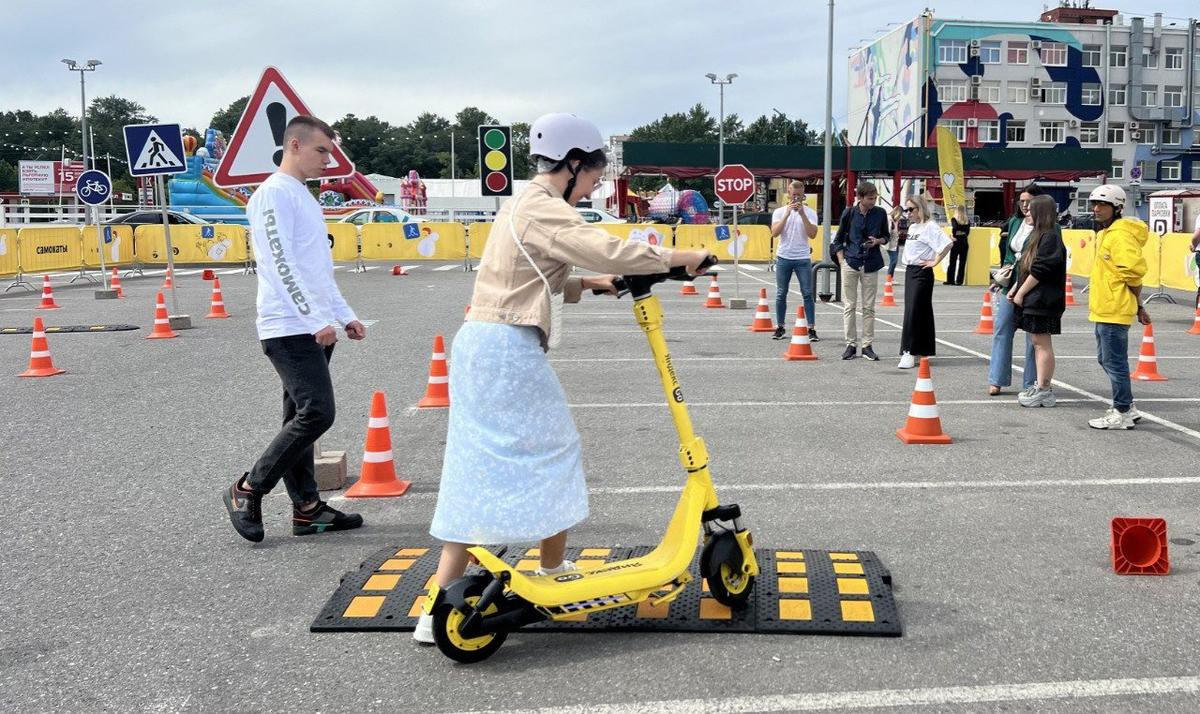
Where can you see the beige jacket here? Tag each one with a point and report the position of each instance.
(508, 289)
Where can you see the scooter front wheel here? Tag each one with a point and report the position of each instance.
(447, 621)
(723, 567)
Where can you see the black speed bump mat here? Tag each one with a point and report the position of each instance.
(62, 329)
(815, 592)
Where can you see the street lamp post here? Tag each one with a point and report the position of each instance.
(828, 271)
(89, 66)
(721, 122)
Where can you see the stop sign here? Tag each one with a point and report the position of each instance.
(734, 184)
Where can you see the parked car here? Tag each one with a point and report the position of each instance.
(363, 216)
(596, 215)
(762, 218)
(144, 218)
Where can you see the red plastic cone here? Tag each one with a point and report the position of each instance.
(162, 324)
(800, 348)
(1070, 293)
(889, 297)
(1139, 546)
(1196, 322)
(1147, 369)
(689, 288)
(40, 364)
(169, 282)
(116, 283)
(714, 294)
(762, 315)
(218, 302)
(47, 296)
(923, 425)
(437, 391)
(985, 315)
(378, 477)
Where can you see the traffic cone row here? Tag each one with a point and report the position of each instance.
(218, 302)
(162, 323)
(40, 364)
(923, 425)
(985, 315)
(800, 348)
(714, 294)
(47, 296)
(1070, 293)
(116, 283)
(889, 296)
(378, 477)
(169, 282)
(1147, 368)
(437, 391)
(762, 315)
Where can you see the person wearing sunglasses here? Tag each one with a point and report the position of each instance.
(927, 245)
(1012, 239)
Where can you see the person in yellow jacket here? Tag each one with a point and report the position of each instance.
(1114, 298)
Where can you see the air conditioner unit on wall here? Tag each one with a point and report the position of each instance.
(1072, 123)
(973, 52)
(1133, 125)
(1035, 81)
(972, 122)
(975, 44)
(976, 80)
(1135, 135)
(1036, 44)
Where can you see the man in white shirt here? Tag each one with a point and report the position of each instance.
(299, 306)
(796, 225)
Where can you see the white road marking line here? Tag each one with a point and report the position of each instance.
(234, 271)
(441, 268)
(751, 268)
(880, 698)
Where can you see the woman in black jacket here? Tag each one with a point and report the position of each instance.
(1039, 295)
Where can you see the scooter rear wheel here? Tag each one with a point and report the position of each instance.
(726, 581)
(446, 623)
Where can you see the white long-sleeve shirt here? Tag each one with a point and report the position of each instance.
(297, 293)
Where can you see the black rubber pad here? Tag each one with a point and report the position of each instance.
(59, 329)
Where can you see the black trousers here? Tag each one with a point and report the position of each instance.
(918, 336)
(308, 412)
(956, 269)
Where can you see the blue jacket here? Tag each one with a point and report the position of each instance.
(854, 229)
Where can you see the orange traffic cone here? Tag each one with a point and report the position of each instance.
(47, 296)
(714, 294)
(689, 288)
(1070, 293)
(218, 302)
(40, 364)
(889, 297)
(923, 425)
(1139, 546)
(399, 270)
(437, 392)
(762, 315)
(116, 283)
(985, 315)
(378, 477)
(162, 324)
(800, 348)
(1147, 369)
(170, 280)
(1196, 322)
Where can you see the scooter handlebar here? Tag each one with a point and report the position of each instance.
(640, 284)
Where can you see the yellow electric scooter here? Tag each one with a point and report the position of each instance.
(474, 614)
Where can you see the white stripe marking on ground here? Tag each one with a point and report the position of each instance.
(441, 268)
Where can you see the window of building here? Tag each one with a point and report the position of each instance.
(1052, 132)
(1171, 137)
(1054, 54)
(989, 92)
(989, 52)
(1116, 95)
(1149, 95)
(1173, 58)
(952, 51)
(1089, 132)
(1170, 170)
(1018, 92)
(1118, 170)
(1093, 95)
(1091, 55)
(1118, 56)
(1018, 52)
(1015, 132)
(1149, 59)
(952, 90)
(1116, 132)
(989, 132)
(1172, 96)
(1054, 93)
(958, 126)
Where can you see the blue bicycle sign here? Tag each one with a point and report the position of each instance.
(93, 187)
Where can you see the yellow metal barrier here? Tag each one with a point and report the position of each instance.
(652, 233)
(43, 249)
(10, 256)
(414, 241)
(479, 233)
(1081, 247)
(194, 244)
(345, 241)
(118, 251)
(979, 257)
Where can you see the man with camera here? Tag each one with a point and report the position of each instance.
(796, 225)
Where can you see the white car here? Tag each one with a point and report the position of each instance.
(363, 216)
(596, 215)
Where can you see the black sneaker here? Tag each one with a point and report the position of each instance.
(323, 518)
(780, 333)
(850, 353)
(245, 510)
(812, 335)
(870, 354)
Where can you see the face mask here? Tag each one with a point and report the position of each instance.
(554, 339)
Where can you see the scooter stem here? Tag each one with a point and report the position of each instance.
(648, 311)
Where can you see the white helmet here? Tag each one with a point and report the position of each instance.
(1109, 194)
(554, 135)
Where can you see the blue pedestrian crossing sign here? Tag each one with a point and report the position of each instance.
(412, 231)
(93, 187)
(154, 149)
(722, 232)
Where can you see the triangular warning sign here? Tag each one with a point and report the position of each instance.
(157, 155)
(255, 150)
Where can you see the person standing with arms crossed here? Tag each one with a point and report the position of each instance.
(862, 229)
(796, 224)
(299, 305)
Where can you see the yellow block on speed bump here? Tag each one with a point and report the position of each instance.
(783, 566)
(411, 552)
(793, 585)
(857, 611)
(364, 606)
(848, 568)
(852, 586)
(595, 552)
(795, 610)
(710, 609)
(381, 582)
(397, 564)
(843, 556)
(789, 555)
(418, 606)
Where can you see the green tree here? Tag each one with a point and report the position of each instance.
(362, 138)
(8, 177)
(695, 126)
(467, 123)
(779, 129)
(106, 117)
(522, 166)
(225, 121)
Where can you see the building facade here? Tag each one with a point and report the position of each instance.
(1076, 77)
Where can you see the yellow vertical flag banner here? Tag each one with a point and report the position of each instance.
(950, 169)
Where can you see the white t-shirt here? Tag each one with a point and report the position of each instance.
(793, 240)
(297, 294)
(1017, 242)
(925, 241)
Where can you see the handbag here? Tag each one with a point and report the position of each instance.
(1002, 277)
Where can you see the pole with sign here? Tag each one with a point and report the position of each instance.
(94, 188)
(734, 185)
(157, 150)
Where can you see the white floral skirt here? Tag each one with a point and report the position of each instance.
(513, 469)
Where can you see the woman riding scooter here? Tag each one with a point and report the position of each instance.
(513, 470)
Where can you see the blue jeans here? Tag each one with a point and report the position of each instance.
(893, 258)
(1000, 366)
(784, 267)
(1112, 352)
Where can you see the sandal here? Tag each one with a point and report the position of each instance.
(993, 390)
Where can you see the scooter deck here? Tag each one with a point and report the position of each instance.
(800, 591)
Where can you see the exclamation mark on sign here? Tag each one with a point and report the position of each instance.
(277, 118)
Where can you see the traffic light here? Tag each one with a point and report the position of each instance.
(495, 160)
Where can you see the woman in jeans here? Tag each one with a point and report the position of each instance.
(1012, 239)
(926, 246)
(960, 230)
(1039, 295)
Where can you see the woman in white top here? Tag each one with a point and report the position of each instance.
(926, 246)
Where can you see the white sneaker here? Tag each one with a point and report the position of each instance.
(1134, 414)
(423, 635)
(907, 361)
(1036, 397)
(565, 566)
(1112, 419)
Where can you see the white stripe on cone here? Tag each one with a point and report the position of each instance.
(377, 457)
(439, 380)
(439, 356)
(41, 353)
(923, 411)
(924, 385)
(377, 422)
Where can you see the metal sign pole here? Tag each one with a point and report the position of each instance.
(162, 202)
(737, 253)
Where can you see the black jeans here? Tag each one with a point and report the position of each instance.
(308, 411)
(956, 269)
(918, 336)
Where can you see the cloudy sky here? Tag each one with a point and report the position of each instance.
(620, 62)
